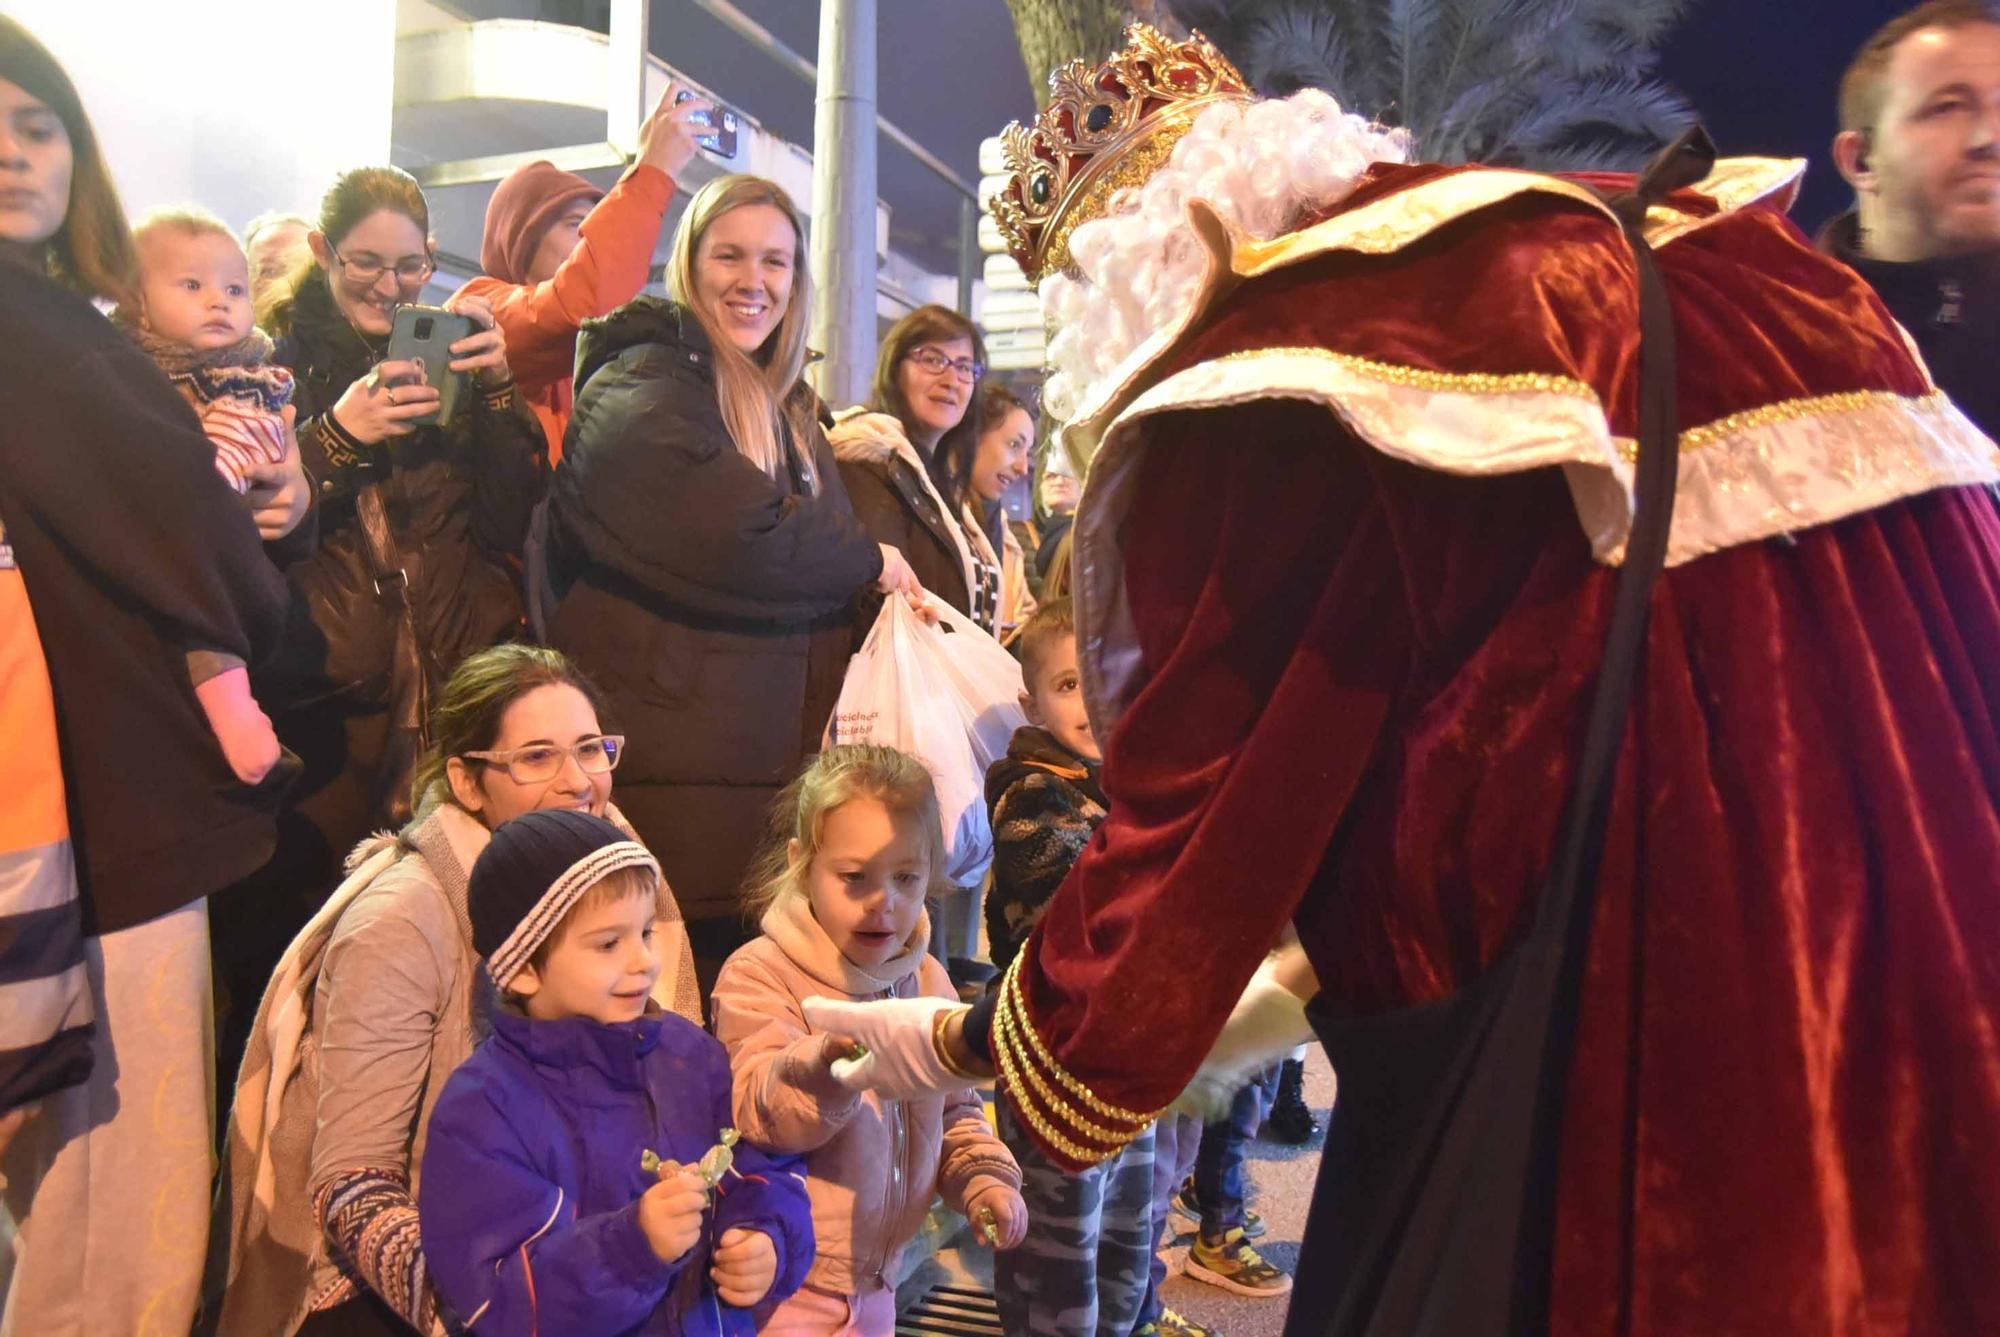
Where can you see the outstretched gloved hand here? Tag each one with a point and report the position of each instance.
(902, 1059)
(1267, 1023)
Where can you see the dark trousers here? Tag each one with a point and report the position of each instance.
(1219, 1182)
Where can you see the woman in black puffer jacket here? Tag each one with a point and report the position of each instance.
(706, 555)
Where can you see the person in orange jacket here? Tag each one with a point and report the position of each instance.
(558, 251)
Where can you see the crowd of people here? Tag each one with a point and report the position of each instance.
(313, 689)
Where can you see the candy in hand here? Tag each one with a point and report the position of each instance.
(714, 1163)
(717, 1160)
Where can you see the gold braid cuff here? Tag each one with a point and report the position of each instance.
(1022, 1070)
(1012, 1063)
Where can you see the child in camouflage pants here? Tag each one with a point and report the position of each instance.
(1083, 1268)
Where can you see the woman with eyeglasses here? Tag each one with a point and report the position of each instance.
(419, 527)
(372, 1008)
(907, 459)
(705, 555)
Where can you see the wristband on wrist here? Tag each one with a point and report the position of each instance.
(943, 1048)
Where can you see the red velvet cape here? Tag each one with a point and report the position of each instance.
(1360, 683)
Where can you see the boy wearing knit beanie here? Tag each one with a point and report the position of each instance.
(580, 1174)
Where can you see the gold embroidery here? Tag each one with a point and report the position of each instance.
(1443, 382)
(1406, 217)
(1734, 183)
(1791, 410)
(1133, 169)
(1024, 1107)
(1013, 998)
(1018, 1067)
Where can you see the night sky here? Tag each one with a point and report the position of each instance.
(1764, 74)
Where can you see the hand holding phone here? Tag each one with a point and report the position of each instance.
(422, 337)
(666, 140)
(720, 123)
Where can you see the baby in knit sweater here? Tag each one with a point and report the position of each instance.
(194, 319)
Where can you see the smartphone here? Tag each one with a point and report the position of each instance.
(425, 334)
(722, 143)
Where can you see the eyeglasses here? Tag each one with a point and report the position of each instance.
(542, 762)
(936, 363)
(409, 269)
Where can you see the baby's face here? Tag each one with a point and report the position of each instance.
(196, 288)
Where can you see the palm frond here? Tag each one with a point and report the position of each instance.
(1548, 83)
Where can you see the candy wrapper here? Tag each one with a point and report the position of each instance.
(715, 1163)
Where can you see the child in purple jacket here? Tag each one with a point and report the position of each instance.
(580, 1175)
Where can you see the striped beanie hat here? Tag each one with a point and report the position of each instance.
(532, 873)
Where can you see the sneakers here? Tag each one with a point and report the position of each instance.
(1174, 1325)
(1232, 1264)
(1184, 1214)
(1291, 1121)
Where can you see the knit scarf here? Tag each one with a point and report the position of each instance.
(242, 370)
(791, 924)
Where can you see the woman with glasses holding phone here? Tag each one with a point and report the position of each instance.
(372, 1009)
(907, 456)
(419, 527)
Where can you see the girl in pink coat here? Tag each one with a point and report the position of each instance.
(842, 891)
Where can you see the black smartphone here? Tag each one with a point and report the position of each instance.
(720, 120)
(425, 334)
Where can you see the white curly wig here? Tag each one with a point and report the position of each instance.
(1261, 166)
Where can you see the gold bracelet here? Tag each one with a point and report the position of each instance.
(938, 1023)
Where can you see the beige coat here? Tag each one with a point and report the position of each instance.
(369, 1012)
(872, 1165)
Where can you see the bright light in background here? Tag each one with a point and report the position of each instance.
(238, 106)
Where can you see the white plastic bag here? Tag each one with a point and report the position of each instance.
(950, 697)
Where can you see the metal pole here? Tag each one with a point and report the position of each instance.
(764, 40)
(843, 203)
(625, 91)
(968, 254)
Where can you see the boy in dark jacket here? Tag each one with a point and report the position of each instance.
(1043, 795)
(541, 1209)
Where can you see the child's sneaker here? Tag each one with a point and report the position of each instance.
(1232, 1264)
(1184, 1214)
(1172, 1324)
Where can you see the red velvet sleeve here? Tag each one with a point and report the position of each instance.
(1261, 568)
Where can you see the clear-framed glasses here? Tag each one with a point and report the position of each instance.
(409, 269)
(936, 363)
(539, 763)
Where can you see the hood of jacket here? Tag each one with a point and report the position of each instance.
(791, 924)
(861, 435)
(641, 321)
(1035, 749)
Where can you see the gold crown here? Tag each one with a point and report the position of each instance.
(1103, 130)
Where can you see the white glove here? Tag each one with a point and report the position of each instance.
(1268, 1022)
(902, 1060)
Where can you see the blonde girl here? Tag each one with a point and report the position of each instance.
(855, 846)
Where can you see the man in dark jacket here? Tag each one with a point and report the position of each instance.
(1920, 143)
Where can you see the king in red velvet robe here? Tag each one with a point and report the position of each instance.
(1343, 582)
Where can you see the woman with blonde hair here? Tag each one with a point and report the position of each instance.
(704, 552)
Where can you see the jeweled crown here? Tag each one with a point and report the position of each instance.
(1104, 129)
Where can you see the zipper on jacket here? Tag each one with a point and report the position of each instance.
(893, 1204)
